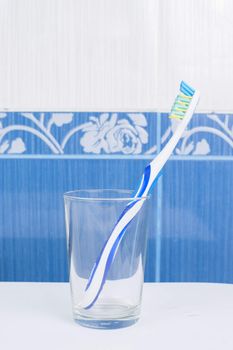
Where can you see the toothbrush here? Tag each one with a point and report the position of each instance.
(182, 109)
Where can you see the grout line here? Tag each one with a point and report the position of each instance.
(74, 109)
(99, 109)
(74, 156)
(114, 156)
(203, 158)
(159, 209)
(159, 230)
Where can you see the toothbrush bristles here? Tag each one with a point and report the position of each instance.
(182, 101)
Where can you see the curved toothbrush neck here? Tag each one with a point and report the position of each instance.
(159, 161)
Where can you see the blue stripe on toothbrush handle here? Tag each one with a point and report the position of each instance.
(108, 264)
(99, 272)
(142, 187)
(146, 178)
(155, 181)
(119, 237)
(112, 253)
(130, 205)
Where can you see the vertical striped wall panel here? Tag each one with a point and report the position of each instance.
(44, 154)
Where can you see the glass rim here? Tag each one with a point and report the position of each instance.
(72, 195)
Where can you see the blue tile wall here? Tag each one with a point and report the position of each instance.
(42, 155)
(197, 221)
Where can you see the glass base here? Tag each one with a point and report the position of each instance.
(105, 324)
(107, 316)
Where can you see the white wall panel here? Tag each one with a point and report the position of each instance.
(114, 54)
(82, 54)
(196, 44)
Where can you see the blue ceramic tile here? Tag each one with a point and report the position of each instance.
(42, 155)
(61, 133)
(207, 135)
(32, 236)
(197, 222)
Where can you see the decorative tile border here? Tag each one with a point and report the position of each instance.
(207, 135)
(74, 133)
(110, 135)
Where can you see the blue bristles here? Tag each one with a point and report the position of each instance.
(186, 89)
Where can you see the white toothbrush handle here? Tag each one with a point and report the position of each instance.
(99, 272)
(158, 162)
(98, 279)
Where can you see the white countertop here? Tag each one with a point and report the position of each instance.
(174, 316)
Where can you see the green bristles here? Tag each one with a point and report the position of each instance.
(180, 106)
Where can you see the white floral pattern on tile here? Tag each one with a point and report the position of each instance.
(108, 133)
(104, 134)
(112, 135)
(202, 148)
(186, 146)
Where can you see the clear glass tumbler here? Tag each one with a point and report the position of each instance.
(90, 218)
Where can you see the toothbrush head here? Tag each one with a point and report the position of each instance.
(182, 101)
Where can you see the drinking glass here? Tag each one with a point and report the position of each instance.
(90, 218)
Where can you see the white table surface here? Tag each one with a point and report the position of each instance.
(174, 316)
